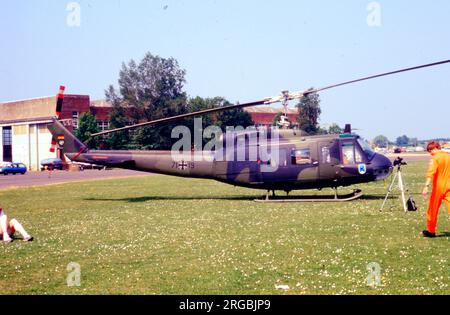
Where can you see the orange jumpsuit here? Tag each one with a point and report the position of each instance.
(439, 172)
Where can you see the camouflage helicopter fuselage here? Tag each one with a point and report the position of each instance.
(301, 162)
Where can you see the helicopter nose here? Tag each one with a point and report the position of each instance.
(382, 166)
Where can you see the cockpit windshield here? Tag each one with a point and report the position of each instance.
(366, 148)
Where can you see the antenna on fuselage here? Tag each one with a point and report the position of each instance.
(348, 129)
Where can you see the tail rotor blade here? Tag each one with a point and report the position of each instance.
(58, 110)
(60, 101)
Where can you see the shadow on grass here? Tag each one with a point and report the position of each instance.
(159, 198)
(231, 198)
(377, 197)
(444, 234)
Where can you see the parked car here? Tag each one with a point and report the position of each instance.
(13, 168)
(52, 164)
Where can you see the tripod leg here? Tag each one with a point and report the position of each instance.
(391, 187)
(402, 189)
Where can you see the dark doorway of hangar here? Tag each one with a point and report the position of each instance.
(7, 144)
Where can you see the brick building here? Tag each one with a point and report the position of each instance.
(101, 109)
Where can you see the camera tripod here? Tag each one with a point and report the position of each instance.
(402, 187)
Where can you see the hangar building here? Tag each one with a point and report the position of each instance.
(24, 136)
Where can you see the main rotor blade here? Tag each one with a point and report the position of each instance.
(270, 100)
(178, 117)
(377, 76)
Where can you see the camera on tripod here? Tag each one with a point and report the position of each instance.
(399, 162)
(408, 205)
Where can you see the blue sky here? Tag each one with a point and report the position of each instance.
(244, 51)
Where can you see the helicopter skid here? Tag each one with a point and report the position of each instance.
(357, 193)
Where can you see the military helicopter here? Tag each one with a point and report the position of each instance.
(292, 161)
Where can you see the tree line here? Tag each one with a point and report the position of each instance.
(382, 141)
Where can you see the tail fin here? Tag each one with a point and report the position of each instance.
(66, 141)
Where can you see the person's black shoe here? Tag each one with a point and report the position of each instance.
(428, 234)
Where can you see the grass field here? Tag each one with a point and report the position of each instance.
(164, 235)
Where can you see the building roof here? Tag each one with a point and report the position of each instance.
(32, 109)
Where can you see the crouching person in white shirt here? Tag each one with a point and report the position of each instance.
(8, 228)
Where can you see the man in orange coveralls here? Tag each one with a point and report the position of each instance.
(439, 174)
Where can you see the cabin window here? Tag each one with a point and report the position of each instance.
(301, 156)
(325, 155)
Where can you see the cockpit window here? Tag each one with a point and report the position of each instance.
(366, 148)
(351, 154)
(348, 153)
